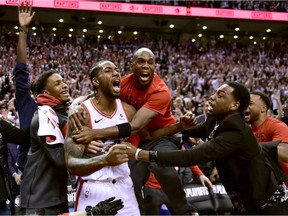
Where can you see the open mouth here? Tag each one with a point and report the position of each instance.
(116, 85)
(145, 76)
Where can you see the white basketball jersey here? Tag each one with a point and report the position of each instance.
(100, 120)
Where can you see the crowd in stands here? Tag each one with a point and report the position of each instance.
(276, 6)
(192, 71)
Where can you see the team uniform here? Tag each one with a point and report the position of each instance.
(110, 181)
(272, 130)
(155, 97)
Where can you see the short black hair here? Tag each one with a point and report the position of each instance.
(40, 84)
(264, 98)
(241, 94)
(95, 69)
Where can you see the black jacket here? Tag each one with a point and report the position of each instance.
(45, 175)
(245, 173)
(11, 134)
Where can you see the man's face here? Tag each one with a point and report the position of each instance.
(108, 80)
(57, 88)
(222, 102)
(255, 108)
(143, 67)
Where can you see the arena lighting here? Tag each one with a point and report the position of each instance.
(235, 36)
(199, 35)
(237, 29)
(61, 20)
(193, 40)
(71, 30)
(119, 32)
(54, 35)
(34, 28)
(117, 7)
(17, 33)
(69, 35)
(54, 29)
(83, 36)
(99, 22)
(254, 42)
(84, 30)
(264, 38)
(135, 33)
(221, 36)
(34, 33)
(98, 36)
(15, 27)
(268, 30)
(204, 27)
(251, 37)
(101, 31)
(171, 26)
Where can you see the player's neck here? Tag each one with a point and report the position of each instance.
(106, 105)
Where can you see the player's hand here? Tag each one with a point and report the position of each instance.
(94, 147)
(131, 150)
(188, 120)
(117, 154)
(85, 136)
(77, 117)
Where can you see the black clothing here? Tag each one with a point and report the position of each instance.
(45, 176)
(8, 133)
(245, 173)
(167, 177)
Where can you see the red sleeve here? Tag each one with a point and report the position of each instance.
(134, 140)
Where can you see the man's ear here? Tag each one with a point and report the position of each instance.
(235, 105)
(95, 81)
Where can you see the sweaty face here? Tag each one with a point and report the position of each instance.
(254, 109)
(56, 87)
(143, 67)
(222, 102)
(108, 80)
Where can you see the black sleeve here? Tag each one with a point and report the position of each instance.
(13, 134)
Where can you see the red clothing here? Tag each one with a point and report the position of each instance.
(156, 97)
(153, 183)
(272, 130)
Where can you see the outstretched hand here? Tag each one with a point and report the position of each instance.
(107, 207)
(188, 120)
(25, 14)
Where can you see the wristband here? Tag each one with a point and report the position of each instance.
(124, 130)
(23, 30)
(137, 153)
(153, 156)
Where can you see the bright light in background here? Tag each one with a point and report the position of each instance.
(54, 35)
(221, 36)
(15, 27)
(99, 22)
(101, 31)
(254, 42)
(70, 35)
(193, 40)
(54, 29)
(33, 28)
(83, 36)
(237, 29)
(235, 36)
(171, 26)
(204, 27)
(61, 20)
(264, 38)
(199, 35)
(71, 30)
(109, 37)
(84, 30)
(17, 33)
(268, 30)
(119, 32)
(98, 36)
(34, 33)
(135, 33)
(251, 37)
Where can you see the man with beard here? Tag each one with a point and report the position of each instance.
(267, 128)
(252, 185)
(150, 96)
